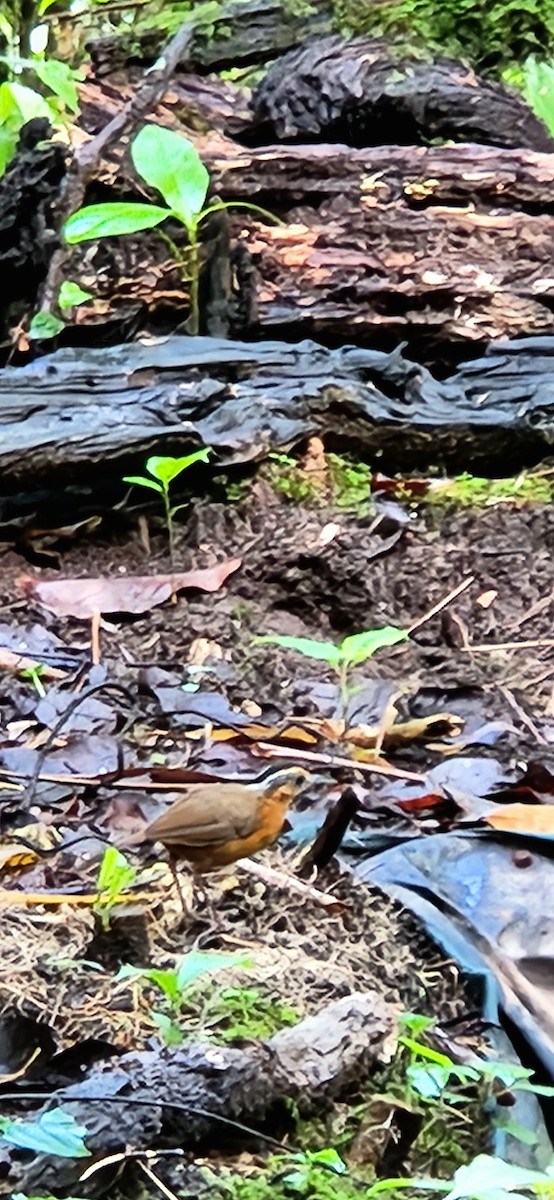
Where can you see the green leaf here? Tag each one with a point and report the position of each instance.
(70, 294)
(54, 1132)
(172, 164)
(116, 872)
(199, 962)
(8, 147)
(23, 102)
(171, 1033)
(111, 220)
(61, 80)
(45, 325)
(324, 651)
(360, 646)
(165, 468)
(329, 1158)
(142, 482)
(539, 89)
(487, 1177)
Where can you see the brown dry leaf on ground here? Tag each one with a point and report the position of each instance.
(130, 594)
(524, 818)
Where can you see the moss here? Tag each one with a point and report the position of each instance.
(488, 33)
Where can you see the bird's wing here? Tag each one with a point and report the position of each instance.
(200, 818)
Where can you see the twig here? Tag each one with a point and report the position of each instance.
(157, 1182)
(524, 718)
(84, 160)
(329, 760)
(457, 591)
(486, 647)
(276, 878)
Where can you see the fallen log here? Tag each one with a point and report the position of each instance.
(82, 408)
(153, 1095)
(364, 93)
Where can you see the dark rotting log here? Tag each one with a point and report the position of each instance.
(361, 92)
(72, 412)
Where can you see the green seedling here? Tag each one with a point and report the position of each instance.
(115, 875)
(170, 164)
(351, 651)
(164, 470)
(429, 1071)
(176, 983)
(71, 295)
(34, 675)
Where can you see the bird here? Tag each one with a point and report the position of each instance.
(215, 824)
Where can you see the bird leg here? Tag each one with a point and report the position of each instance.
(177, 882)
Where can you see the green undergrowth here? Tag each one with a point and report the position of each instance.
(471, 491)
(490, 34)
(346, 485)
(236, 1013)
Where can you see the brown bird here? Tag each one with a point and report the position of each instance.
(215, 824)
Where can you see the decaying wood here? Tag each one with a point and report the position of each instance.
(444, 243)
(242, 33)
(361, 92)
(81, 407)
(448, 243)
(170, 1093)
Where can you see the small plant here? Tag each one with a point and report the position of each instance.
(170, 164)
(34, 675)
(243, 1012)
(164, 470)
(351, 651)
(350, 484)
(473, 491)
(115, 875)
(20, 104)
(176, 983)
(285, 475)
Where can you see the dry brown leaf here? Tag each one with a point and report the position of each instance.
(129, 593)
(523, 818)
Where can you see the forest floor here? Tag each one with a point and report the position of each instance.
(199, 692)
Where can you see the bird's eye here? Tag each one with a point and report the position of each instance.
(300, 779)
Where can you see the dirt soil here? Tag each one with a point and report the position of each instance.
(293, 580)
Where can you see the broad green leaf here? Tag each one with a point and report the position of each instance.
(539, 89)
(360, 646)
(15, 98)
(172, 164)
(324, 651)
(165, 468)
(199, 962)
(111, 220)
(329, 1158)
(165, 980)
(70, 294)
(60, 78)
(142, 482)
(54, 1132)
(487, 1176)
(45, 325)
